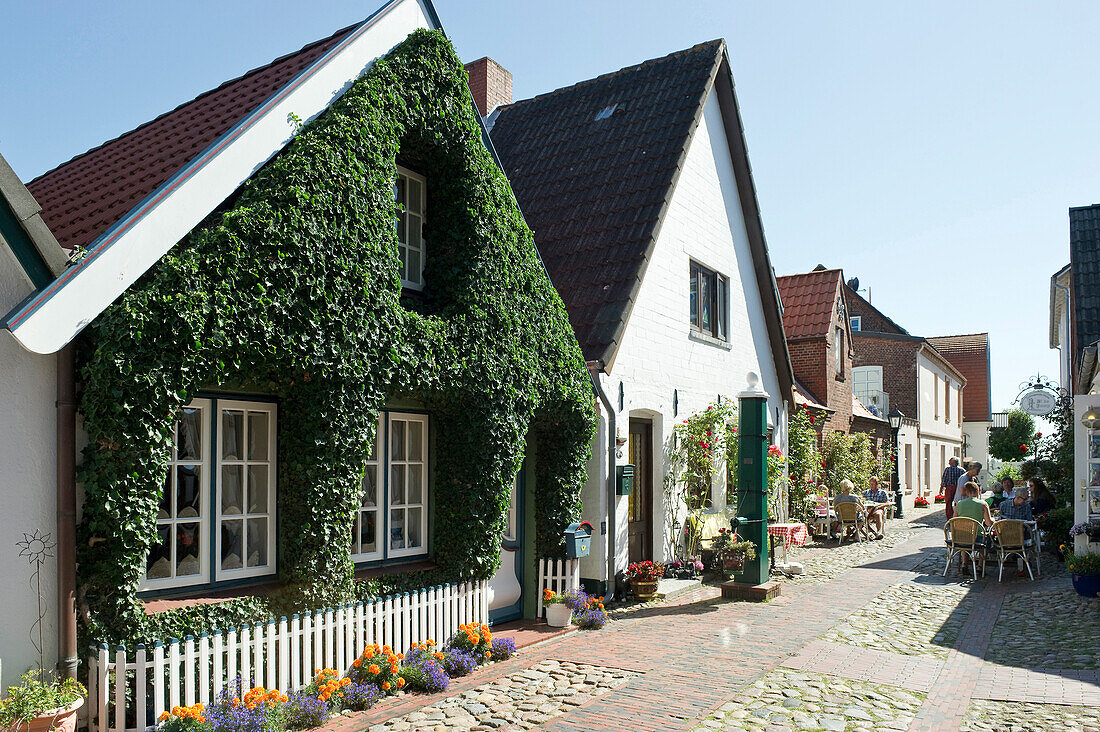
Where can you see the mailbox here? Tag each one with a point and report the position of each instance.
(578, 540)
(624, 480)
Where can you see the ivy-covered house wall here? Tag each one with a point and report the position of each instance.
(292, 291)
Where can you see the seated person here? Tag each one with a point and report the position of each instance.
(972, 508)
(877, 515)
(1002, 492)
(1042, 500)
(846, 488)
(1017, 507)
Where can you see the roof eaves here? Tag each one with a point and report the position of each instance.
(1056, 285)
(24, 231)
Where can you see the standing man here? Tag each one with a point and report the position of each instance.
(949, 484)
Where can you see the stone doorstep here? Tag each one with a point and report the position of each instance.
(755, 593)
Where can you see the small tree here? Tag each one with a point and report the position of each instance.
(803, 461)
(847, 456)
(1014, 442)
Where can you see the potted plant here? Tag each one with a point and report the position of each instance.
(39, 703)
(1085, 569)
(920, 502)
(644, 577)
(558, 611)
(940, 498)
(1091, 529)
(732, 553)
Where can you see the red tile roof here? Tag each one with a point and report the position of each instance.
(808, 302)
(970, 355)
(82, 198)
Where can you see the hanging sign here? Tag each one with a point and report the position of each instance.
(1038, 402)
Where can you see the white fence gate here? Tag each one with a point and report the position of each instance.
(127, 690)
(559, 575)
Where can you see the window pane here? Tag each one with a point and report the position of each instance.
(164, 510)
(416, 476)
(412, 269)
(189, 435)
(158, 565)
(188, 491)
(694, 298)
(415, 191)
(399, 189)
(416, 441)
(397, 439)
(706, 302)
(367, 540)
(257, 435)
(403, 257)
(414, 230)
(231, 489)
(415, 539)
(232, 434)
(188, 538)
(257, 489)
(232, 544)
(720, 308)
(397, 529)
(257, 542)
(370, 486)
(397, 485)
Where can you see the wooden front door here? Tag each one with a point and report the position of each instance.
(640, 521)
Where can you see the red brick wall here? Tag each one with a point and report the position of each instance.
(898, 358)
(490, 84)
(870, 318)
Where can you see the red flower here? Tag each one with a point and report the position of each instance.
(1023, 448)
(811, 419)
(710, 406)
(708, 433)
(1038, 435)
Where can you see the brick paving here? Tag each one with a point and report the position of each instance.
(693, 657)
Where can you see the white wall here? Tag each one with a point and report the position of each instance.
(657, 356)
(977, 439)
(27, 452)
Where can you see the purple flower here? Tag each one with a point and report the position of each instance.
(503, 648)
(356, 697)
(423, 672)
(593, 619)
(225, 716)
(576, 599)
(458, 662)
(305, 711)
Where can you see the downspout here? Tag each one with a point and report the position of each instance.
(611, 498)
(66, 514)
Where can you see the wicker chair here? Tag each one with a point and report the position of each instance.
(852, 518)
(962, 538)
(1010, 542)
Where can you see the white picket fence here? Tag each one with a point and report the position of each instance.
(129, 689)
(559, 575)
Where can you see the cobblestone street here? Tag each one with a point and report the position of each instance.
(872, 636)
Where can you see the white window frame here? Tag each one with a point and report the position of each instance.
(244, 571)
(385, 465)
(203, 577)
(210, 518)
(405, 245)
(376, 461)
(838, 350)
(856, 322)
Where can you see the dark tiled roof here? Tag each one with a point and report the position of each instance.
(593, 167)
(82, 198)
(808, 302)
(970, 355)
(1084, 257)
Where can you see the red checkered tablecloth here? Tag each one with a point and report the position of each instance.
(795, 534)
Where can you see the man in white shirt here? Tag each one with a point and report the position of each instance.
(970, 475)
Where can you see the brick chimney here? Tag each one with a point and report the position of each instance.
(490, 83)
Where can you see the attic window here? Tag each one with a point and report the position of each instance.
(607, 112)
(409, 192)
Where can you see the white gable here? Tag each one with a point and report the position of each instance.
(53, 317)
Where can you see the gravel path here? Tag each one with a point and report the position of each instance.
(522, 700)
(794, 699)
(991, 716)
(909, 619)
(1051, 630)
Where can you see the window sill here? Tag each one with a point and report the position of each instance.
(403, 567)
(190, 596)
(709, 340)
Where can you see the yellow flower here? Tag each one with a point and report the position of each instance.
(163, 716)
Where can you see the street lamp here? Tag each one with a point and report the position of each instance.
(895, 417)
(1090, 418)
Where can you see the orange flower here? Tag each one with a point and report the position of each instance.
(374, 669)
(401, 656)
(387, 650)
(400, 682)
(437, 656)
(488, 654)
(163, 716)
(430, 642)
(357, 663)
(385, 686)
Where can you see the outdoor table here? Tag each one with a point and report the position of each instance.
(872, 507)
(796, 534)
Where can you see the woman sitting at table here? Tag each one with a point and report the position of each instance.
(971, 507)
(1001, 492)
(1042, 500)
(846, 488)
(877, 515)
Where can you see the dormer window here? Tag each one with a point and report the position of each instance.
(410, 193)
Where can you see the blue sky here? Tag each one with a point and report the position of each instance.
(931, 149)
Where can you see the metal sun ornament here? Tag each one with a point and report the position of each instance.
(37, 548)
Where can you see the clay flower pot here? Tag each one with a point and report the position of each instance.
(558, 615)
(62, 719)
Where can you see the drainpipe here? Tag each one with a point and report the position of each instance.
(66, 514)
(611, 498)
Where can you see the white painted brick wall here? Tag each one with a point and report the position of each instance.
(656, 356)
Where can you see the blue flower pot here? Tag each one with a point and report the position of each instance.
(1087, 585)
